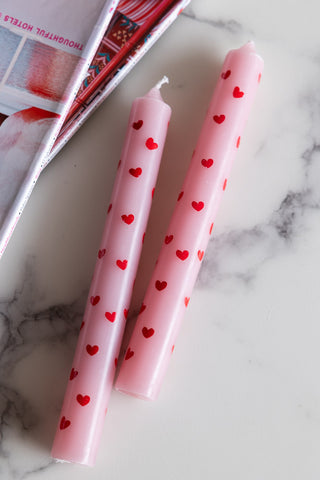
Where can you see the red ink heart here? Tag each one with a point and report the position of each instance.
(138, 124)
(207, 163)
(83, 399)
(135, 172)
(101, 253)
(109, 208)
(172, 348)
(224, 184)
(197, 206)
(73, 374)
(128, 219)
(180, 196)
(150, 144)
(110, 316)
(152, 193)
(122, 264)
(237, 92)
(168, 239)
(226, 74)
(129, 354)
(142, 308)
(160, 285)
(94, 300)
(200, 254)
(115, 362)
(147, 332)
(125, 313)
(82, 325)
(238, 142)
(219, 118)
(64, 423)
(186, 301)
(92, 349)
(183, 255)
(211, 227)
(143, 237)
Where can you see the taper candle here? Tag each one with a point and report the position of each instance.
(181, 254)
(94, 364)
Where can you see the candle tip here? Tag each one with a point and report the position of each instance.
(163, 80)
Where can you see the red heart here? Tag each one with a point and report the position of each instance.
(109, 208)
(211, 227)
(172, 348)
(186, 301)
(122, 264)
(73, 374)
(115, 362)
(152, 192)
(94, 300)
(180, 196)
(224, 184)
(64, 423)
(82, 325)
(207, 163)
(219, 118)
(168, 239)
(101, 253)
(147, 332)
(110, 316)
(183, 255)
(200, 254)
(138, 124)
(129, 354)
(135, 172)
(83, 399)
(237, 92)
(92, 349)
(142, 308)
(197, 205)
(128, 219)
(125, 313)
(226, 74)
(161, 285)
(150, 144)
(238, 142)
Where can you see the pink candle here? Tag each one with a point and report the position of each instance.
(168, 293)
(93, 368)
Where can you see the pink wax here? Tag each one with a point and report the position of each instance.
(94, 364)
(168, 293)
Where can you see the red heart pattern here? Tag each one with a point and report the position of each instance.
(161, 285)
(150, 144)
(73, 374)
(186, 301)
(92, 349)
(125, 313)
(110, 316)
(147, 332)
(226, 74)
(180, 196)
(83, 400)
(129, 354)
(137, 125)
(207, 162)
(168, 239)
(200, 254)
(237, 92)
(94, 300)
(64, 423)
(198, 206)
(122, 264)
(182, 254)
(135, 172)
(224, 184)
(238, 142)
(128, 219)
(219, 118)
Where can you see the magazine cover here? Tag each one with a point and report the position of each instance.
(133, 30)
(46, 48)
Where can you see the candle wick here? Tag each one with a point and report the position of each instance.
(164, 79)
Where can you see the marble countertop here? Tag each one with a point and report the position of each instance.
(241, 399)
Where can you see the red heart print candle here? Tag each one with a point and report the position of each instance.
(175, 273)
(93, 367)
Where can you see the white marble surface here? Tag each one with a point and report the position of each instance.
(241, 398)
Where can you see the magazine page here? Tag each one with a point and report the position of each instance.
(44, 50)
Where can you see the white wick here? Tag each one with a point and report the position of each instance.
(163, 80)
